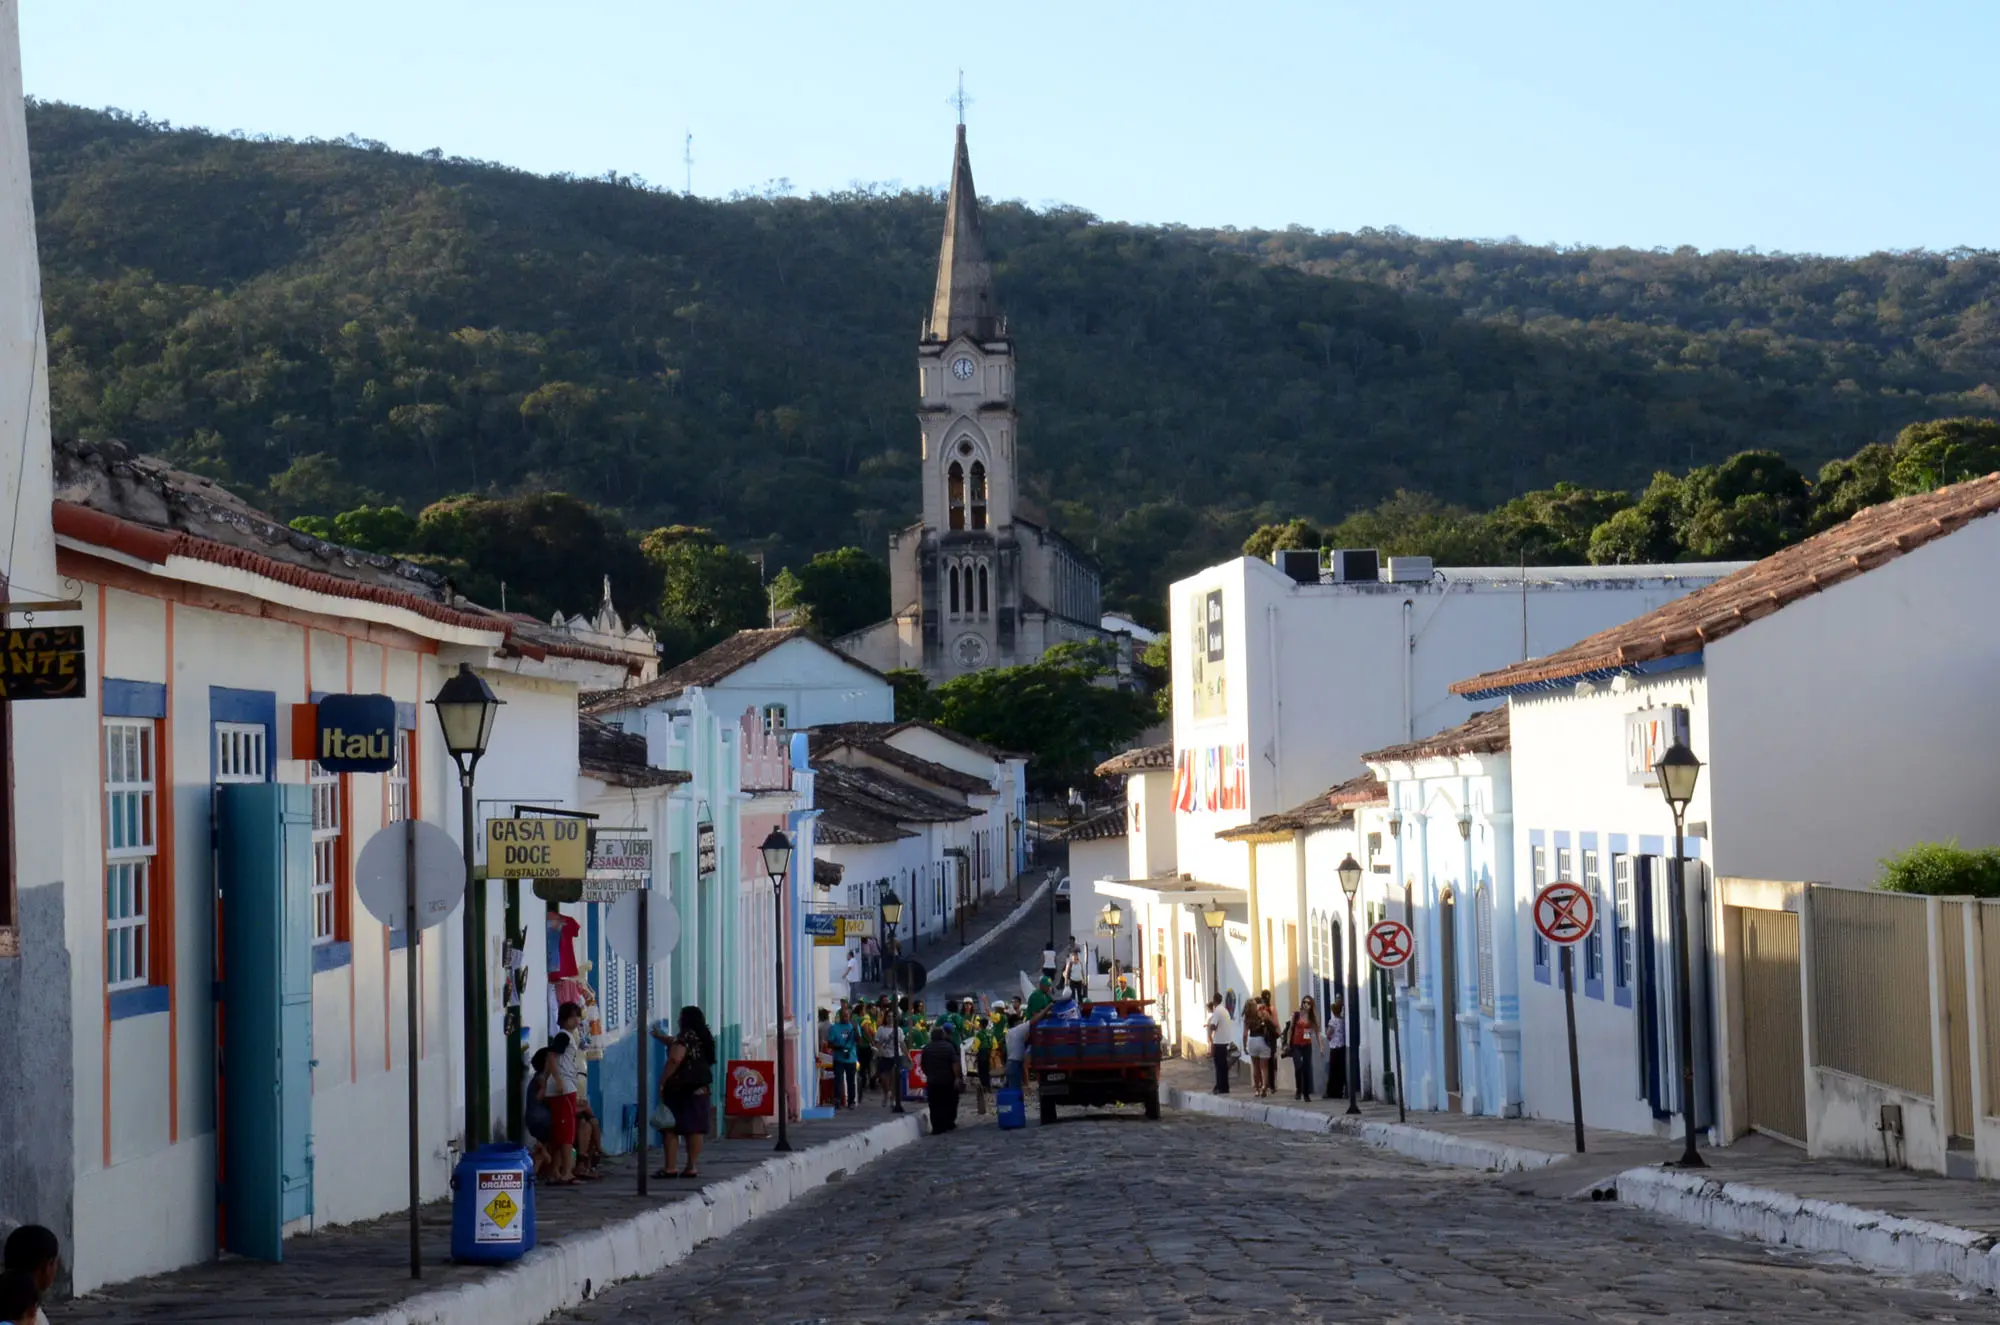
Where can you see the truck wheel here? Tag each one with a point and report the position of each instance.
(1153, 1103)
(1048, 1112)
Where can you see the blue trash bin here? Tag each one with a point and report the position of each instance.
(1012, 1107)
(493, 1204)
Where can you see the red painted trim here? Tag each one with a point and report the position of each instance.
(155, 546)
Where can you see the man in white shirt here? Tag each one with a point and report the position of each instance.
(1049, 963)
(850, 974)
(1218, 1042)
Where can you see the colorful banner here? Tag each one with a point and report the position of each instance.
(747, 1091)
(1212, 778)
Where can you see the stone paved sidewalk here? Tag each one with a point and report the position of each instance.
(942, 953)
(357, 1270)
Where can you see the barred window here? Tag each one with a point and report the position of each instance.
(241, 753)
(1539, 875)
(1621, 920)
(131, 845)
(326, 849)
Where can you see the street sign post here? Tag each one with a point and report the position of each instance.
(1566, 915)
(1390, 946)
(410, 877)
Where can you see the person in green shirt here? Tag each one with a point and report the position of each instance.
(918, 1035)
(1041, 997)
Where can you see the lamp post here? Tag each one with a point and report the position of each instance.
(1113, 918)
(466, 707)
(892, 917)
(1213, 917)
(1350, 883)
(777, 850)
(1679, 770)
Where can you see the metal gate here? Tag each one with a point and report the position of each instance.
(1774, 1050)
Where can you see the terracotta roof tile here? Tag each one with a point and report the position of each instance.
(1143, 759)
(1685, 626)
(1481, 734)
(619, 757)
(1363, 789)
(704, 669)
(824, 741)
(1098, 827)
(1332, 808)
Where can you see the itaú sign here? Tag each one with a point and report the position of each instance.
(354, 733)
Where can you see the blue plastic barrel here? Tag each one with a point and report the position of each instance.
(1013, 1107)
(493, 1204)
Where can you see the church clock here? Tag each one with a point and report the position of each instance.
(970, 650)
(961, 368)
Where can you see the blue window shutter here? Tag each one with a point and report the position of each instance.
(264, 857)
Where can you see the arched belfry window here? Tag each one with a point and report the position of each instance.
(955, 494)
(978, 495)
(951, 574)
(984, 606)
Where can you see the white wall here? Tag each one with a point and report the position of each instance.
(1151, 846)
(816, 685)
(1103, 858)
(1569, 777)
(1861, 720)
(1317, 673)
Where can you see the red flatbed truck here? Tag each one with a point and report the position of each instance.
(1093, 1061)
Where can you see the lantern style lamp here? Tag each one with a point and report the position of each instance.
(1678, 771)
(1350, 883)
(466, 707)
(892, 917)
(777, 852)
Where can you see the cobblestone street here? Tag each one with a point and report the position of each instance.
(1110, 1218)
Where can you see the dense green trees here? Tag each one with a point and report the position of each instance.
(835, 593)
(329, 325)
(1061, 710)
(1746, 507)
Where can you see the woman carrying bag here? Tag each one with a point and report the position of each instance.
(684, 1091)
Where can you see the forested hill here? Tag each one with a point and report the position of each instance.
(325, 323)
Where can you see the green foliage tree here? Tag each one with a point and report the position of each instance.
(1943, 869)
(915, 700)
(708, 591)
(1552, 527)
(1061, 710)
(548, 549)
(1271, 538)
(842, 591)
(1848, 487)
(1931, 455)
(1156, 668)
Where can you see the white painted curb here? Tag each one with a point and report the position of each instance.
(552, 1278)
(1873, 1238)
(972, 949)
(1422, 1143)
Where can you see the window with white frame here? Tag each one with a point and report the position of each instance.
(1482, 923)
(131, 844)
(326, 847)
(1621, 920)
(399, 777)
(241, 752)
(1593, 942)
(1538, 874)
(774, 719)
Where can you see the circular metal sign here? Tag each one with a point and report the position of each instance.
(621, 926)
(1390, 944)
(1565, 913)
(379, 874)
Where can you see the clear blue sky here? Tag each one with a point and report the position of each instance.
(1803, 125)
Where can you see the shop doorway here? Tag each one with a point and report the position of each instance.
(1448, 994)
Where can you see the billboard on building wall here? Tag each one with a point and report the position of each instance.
(1208, 683)
(1648, 733)
(1211, 778)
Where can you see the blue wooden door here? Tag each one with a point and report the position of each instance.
(265, 870)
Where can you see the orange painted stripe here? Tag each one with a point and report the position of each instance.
(344, 888)
(103, 902)
(164, 747)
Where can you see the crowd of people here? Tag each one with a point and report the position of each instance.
(967, 1044)
(1261, 1037)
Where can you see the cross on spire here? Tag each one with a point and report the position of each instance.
(960, 100)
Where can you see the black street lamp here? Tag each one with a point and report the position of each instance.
(466, 707)
(1213, 918)
(892, 917)
(1350, 883)
(777, 849)
(1679, 770)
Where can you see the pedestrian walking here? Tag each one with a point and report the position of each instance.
(1259, 1032)
(888, 1056)
(871, 960)
(685, 1084)
(1015, 1046)
(1336, 1046)
(1049, 965)
(1218, 1042)
(850, 974)
(944, 1075)
(844, 1042)
(1302, 1042)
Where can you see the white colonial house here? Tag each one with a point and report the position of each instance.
(1839, 693)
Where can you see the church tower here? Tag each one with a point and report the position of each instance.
(969, 565)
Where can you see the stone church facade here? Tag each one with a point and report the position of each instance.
(978, 582)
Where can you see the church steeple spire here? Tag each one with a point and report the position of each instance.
(965, 303)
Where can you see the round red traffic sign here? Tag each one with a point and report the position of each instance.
(1389, 944)
(1565, 912)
